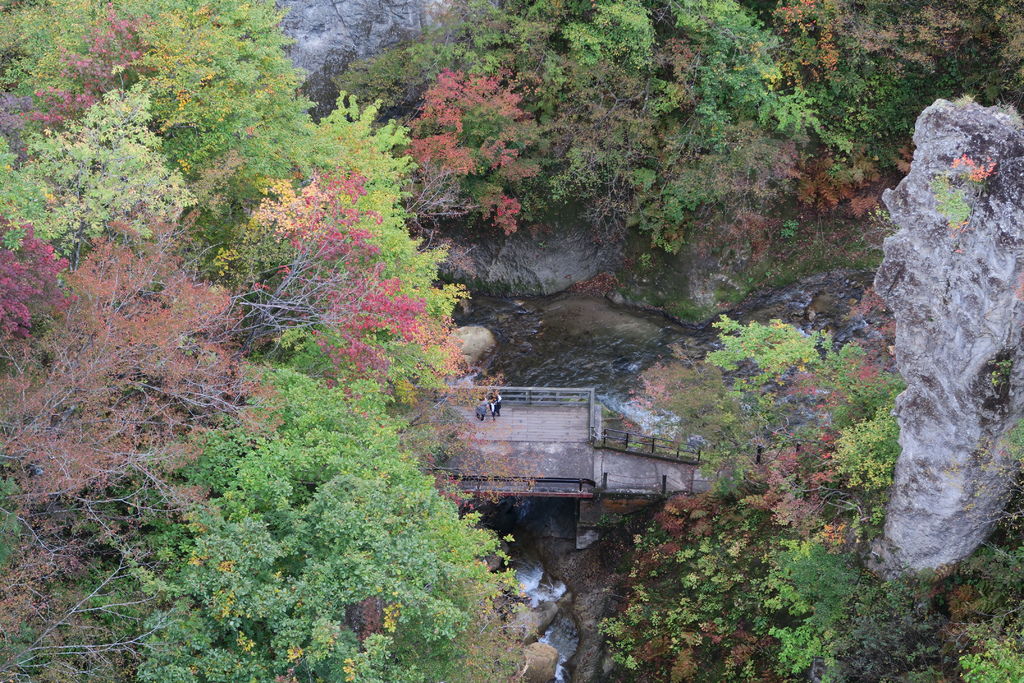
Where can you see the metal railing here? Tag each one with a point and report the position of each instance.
(542, 395)
(536, 486)
(658, 484)
(642, 444)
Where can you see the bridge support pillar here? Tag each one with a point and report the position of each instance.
(588, 514)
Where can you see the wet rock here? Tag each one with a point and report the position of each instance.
(530, 624)
(954, 292)
(493, 562)
(329, 34)
(541, 662)
(476, 341)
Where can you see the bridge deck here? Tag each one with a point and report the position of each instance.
(545, 433)
(551, 424)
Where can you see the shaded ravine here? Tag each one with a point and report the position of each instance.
(585, 341)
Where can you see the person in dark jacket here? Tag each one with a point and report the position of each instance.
(497, 404)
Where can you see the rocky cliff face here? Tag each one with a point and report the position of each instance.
(523, 264)
(329, 34)
(953, 276)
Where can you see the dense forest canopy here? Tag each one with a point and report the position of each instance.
(222, 321)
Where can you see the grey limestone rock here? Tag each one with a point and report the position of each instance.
(329, 34)
(522, 264)
(955, 291)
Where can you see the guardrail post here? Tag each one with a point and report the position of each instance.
(664, 484)
(653, 442)
(625, 446)
(604, 480)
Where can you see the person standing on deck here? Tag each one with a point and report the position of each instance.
(497, 404)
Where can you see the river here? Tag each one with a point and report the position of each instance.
(569, 340)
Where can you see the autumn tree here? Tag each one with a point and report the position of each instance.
(325, 553)
(222, 93)
(333, 290)
(104, 175)
(28, 279)
(94, 415)
(472, 131)
(105, 60)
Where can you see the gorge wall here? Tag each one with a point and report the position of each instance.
(329, 34)
(953, 276)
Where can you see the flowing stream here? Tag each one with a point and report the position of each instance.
(569, 340)
(540, 588)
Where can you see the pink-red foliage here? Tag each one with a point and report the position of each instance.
(96, 415)
(28, 279)
(472, 126)
(334, 282)
(138, 360)
(111, 49)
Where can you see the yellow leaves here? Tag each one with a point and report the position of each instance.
(227, 603)
(834, 535)
(197, 560)
(245, 642)
(294, 653)
(350, 669)
(405, 392)
(224, 260)
(391, 614)
(226, 567)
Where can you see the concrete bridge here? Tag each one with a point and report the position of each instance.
(551, 442)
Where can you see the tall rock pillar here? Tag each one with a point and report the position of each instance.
(954, 278)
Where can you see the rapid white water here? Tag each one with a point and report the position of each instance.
(535, 584)
(563, 636)
(540, 588)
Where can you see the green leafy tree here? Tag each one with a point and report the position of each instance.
(618, 31)
(104, 175)
(813, 586)
(325, 554)
(1000, 660)
(222, 92)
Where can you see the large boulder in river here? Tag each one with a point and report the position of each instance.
(476, 341)
(953, 277)
(329, 34)
(530, 624)
(541, 663)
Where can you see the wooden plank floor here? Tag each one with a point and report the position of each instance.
(556, 424)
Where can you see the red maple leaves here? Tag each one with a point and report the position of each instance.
(111, 49)
(334, 283)
(28, 279)
(472, 127)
